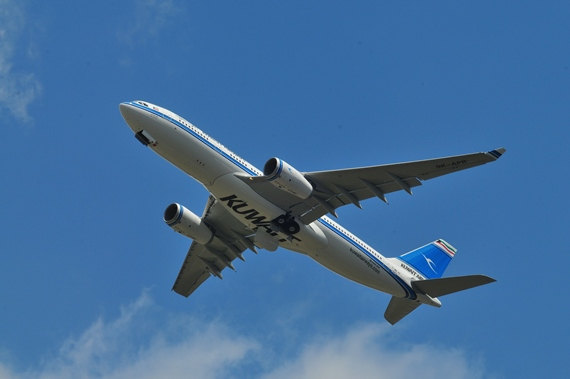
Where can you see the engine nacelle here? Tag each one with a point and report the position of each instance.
(187, 223)
(283, 176)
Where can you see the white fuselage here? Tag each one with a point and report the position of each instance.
(213, 165)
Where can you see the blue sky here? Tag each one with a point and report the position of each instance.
(87, 263)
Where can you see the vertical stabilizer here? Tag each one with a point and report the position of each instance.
(432, 259)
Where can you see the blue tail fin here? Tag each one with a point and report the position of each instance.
(430, 260)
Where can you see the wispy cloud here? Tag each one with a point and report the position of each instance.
(366, 352)
(149, 18)
(17, 89)
(131, 346)
(180, 346)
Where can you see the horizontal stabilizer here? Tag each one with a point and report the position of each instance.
(445, 286)
(398, 308)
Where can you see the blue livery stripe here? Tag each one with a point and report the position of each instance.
(196, 135)
(410, 294)
(495, 153)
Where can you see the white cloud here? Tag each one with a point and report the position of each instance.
(17, 89)
(141, 342)
(364, 352)
(149, 18)
(133, 347)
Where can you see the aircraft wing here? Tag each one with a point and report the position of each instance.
(229, 241)
(335, 188)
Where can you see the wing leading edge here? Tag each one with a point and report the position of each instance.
(335, 188)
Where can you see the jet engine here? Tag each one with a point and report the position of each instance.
(283, 176)
(187, 223)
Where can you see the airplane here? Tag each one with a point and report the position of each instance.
(283, 207)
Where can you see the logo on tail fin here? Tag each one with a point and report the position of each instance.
(430, 260)
(430, 263)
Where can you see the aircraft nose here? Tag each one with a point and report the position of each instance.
(130, 114)
(125, 109)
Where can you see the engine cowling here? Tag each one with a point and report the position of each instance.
(187, 223)
(283, 176)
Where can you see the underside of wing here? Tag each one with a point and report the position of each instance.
(193, 272)
(335, 188)
(230, 240)
(399, 308)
